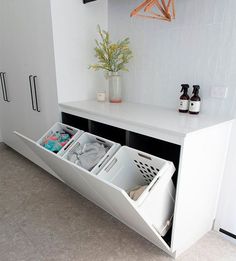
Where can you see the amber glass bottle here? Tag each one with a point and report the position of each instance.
(184, 99)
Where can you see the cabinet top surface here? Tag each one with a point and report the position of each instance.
(145, 116)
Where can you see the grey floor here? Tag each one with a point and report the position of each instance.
(42, 219)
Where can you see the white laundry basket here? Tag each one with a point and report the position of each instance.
(75, 134)
(86, 138)
(130, 168)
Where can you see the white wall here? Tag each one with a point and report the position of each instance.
(199, 47)
(74, 29)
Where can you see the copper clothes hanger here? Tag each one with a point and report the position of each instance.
(146, 9)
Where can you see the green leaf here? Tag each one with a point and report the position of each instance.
(110, 56)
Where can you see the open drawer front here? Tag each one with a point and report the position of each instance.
(106, 188)
(69, 173)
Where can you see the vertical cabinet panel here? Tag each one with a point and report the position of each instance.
(202, 165)
(13, 113)
(41, 65)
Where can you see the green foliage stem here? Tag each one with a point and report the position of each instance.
(111, 57)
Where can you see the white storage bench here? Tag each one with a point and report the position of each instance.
(173, 212)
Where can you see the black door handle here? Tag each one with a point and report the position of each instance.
(31, 92)
(2, 85)
(36, 93)
(5, 86)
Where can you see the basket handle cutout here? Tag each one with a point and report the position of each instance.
(153, 184)
(103, 161)
(168, 223)
(68, 128)
(102, 141)
(144, 156)
(68, 145)
(110, 166)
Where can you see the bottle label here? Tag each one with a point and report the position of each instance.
(183, 105)
(195, 106)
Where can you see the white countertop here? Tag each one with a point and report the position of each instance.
(143, 118)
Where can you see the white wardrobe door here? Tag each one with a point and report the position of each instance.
(40, 62)
(13, 113)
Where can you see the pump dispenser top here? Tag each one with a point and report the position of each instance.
(196, 89)
(185, 88)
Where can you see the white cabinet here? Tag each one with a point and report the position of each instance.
(226, 214)
(40, 63)
(12, 112)
(27, 49)
(197, 145)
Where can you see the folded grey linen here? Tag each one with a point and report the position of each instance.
(88, 155)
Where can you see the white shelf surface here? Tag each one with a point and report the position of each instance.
(157, 122)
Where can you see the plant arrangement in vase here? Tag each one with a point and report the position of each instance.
(112, 58)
